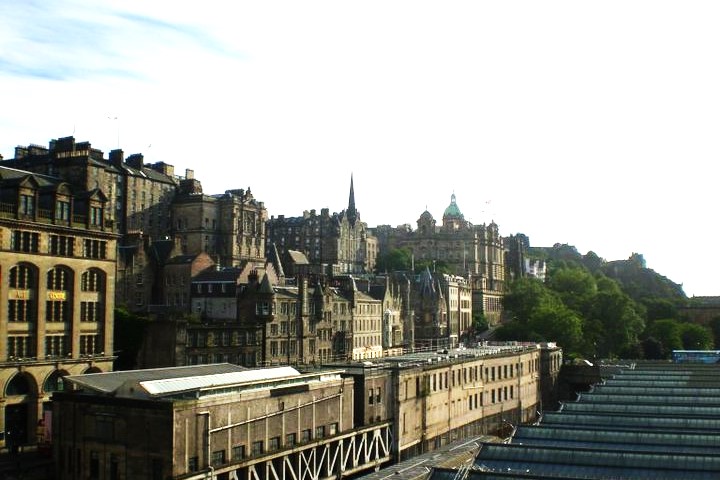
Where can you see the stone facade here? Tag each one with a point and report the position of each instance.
(57, 256)
(340, 243)
(230, 227)
(220, 421)
(475, 252)
(141, 432)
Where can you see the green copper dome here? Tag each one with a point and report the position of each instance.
(452, 210)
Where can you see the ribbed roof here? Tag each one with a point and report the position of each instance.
(182, 384)
(110, 381)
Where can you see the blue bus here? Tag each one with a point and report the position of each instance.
(696, 356)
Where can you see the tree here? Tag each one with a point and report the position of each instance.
(619, 317)
(557, 323)
(652, 349)
(667, 332)
(397, 259)
(696, 337)
(575, 286)
(525, 295)
(129, 330)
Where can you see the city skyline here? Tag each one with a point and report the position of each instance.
(586, 125)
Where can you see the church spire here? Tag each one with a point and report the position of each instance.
(351, 211)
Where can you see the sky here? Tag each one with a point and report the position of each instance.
(593, 124)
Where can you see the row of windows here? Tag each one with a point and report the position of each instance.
(24, 346)
(439, 381)
(23, 276)
(29, 242)
(223, 338)
(258, 447)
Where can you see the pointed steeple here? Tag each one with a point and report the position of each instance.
(351, 211)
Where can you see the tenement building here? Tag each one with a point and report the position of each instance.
(57, 258)
(315, 324)
(475, 252)
(159, 214)
(340, 243)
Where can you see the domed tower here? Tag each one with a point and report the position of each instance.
(453, 219)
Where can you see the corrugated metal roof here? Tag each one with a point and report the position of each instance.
(183, 384)
(111, 381)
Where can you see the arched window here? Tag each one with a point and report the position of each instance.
(92, 280)
(19, 385)
(54, 382)
(22, 276)
(21, 304)
(58, 306)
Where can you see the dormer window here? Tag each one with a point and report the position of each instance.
(96, 214)
(27, 205)
(62, 210)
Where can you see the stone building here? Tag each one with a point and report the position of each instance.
(312, 324)
(474, 252)
(57, 258)
(341, 243)
(224, 421)
(211, 421)
(159, 214)
(230, 227)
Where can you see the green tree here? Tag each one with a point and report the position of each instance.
(557, 323)
(525, 295)
(619, 317)
(667, 332)
(575, 286)
(129, 331)
(696, 337)
(397, 259)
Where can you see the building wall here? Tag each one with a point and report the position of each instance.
(436, 403)
(170, 438)
(58, 285)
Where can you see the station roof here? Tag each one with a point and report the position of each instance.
(654, 421)
(194, 381)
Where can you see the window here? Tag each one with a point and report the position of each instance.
(218, 458)
(193, 464)
(90, 312)
(62, 210)
(320, 431)
(56, 345)
(25, 241)
(306, 435)
(61, 245)
(91, 281)
(89, 345)
(27, 205)
(333, 428)
(378, 396)
(20, 346)
(238, 452)
(274, 444)
(96, 214)
(94, 249)
(257, 447)
(371, 396)
(290, 440)
(262, 308)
